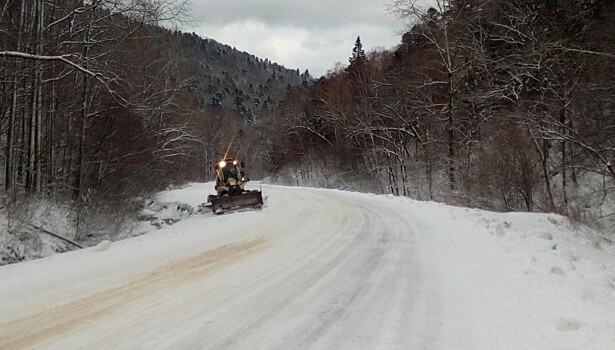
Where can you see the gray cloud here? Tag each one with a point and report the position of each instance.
(295, 13)
(310, 35)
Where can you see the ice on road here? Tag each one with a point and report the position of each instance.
(319, 269)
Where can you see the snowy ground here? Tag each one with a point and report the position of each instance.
(322, 269)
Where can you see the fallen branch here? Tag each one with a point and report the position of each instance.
(57, 236)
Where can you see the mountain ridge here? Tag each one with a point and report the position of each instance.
(230, 78)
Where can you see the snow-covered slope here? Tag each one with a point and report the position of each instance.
(321, 269)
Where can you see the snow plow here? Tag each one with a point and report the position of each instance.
(230, 188)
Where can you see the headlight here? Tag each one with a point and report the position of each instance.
(234, 162)
(222, 164)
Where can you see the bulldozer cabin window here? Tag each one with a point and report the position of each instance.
(230, 172)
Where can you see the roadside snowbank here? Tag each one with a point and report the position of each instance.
(524, 281)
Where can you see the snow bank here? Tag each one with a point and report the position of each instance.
(531, 281)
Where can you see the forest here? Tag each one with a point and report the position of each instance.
(91, 102)
(497, 104)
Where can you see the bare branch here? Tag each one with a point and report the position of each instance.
(63, 58)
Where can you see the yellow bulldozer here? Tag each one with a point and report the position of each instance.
(230, 188)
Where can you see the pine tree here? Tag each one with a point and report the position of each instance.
(358, 55)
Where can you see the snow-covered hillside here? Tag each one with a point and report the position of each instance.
(322, 269)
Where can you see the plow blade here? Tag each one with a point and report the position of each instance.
(252, 199)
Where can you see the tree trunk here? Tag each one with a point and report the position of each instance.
(32, 170)
(451, 134)
(545, 172)
(9, 174)
(8, 171)
(564, 158)
(80, 171)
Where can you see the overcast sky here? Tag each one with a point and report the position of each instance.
(300, 34)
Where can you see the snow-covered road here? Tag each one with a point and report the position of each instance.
(319, 269)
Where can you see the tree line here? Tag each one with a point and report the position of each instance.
(502, 104)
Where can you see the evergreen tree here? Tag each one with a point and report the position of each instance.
(358, 55)
(357, 69)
